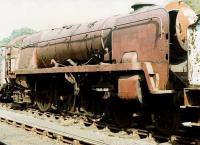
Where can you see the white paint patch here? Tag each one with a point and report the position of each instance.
(2, 67)
(194, 56)
(190, 14)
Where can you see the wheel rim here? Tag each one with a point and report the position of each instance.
(166, 121)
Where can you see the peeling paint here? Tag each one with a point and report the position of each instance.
(194, 55)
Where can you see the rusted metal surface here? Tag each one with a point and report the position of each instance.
(129, 87)
(153, 79)
(11, 60)
(114, 55)
(11, 56)
(142, 36)
(76, 42)
(25, 57)
(151, 76)
(132, 34)
(144, 33)
(84, 68)
(181, 17)
(155, 75)
(130, 57)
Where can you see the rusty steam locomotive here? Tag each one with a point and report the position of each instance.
(145, 63)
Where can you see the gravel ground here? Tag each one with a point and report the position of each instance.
(10, 135)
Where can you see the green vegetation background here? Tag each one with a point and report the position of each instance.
(195, 4)
(16, 33)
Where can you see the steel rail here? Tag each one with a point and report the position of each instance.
(67, 134)
(52, 129)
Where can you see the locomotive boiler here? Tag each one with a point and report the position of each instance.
(143, 63)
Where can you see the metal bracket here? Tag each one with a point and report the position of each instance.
(70, 78)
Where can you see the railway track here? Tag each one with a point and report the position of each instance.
(78, 131)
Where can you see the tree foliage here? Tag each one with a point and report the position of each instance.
(194, 4)
(16, 33)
